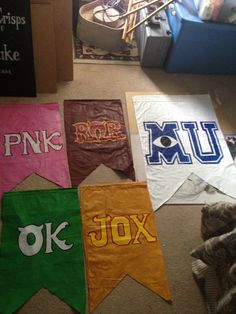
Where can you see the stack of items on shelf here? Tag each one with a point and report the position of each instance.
(199, 46)
(217, 10)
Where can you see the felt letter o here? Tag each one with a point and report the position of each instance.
(26, 248)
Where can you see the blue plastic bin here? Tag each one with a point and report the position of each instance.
(201, 47)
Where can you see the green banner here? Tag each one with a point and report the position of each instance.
(41, 247)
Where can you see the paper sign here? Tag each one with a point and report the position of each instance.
(17, 77)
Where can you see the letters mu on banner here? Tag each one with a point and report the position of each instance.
(41, 247)
(180, 135)
(32, 142)
(119, 225)
(95, 135)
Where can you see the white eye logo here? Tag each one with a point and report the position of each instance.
(165, 141)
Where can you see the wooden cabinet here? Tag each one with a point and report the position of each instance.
(52, 43)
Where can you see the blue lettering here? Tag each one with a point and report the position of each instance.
(214, 155)
(164, 144)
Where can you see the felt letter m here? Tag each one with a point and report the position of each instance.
(164, 144)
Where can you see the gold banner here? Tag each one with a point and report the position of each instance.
(120, 239)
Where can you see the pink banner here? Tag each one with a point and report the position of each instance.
(31, 142)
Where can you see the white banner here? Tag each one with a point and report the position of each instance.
(180, 136)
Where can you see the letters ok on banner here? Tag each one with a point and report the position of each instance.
(120, 239)
(41, 247)
(32, 142)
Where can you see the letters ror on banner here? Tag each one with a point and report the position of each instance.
(95, 135)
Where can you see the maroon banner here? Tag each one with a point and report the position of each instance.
(96, 134)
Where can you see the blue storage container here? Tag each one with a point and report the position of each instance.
(202, 47)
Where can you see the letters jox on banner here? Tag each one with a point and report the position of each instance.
(32, 142)
(120, 239)
(180, 135)
(41, 247)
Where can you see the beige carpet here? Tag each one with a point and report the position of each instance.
(178, 226)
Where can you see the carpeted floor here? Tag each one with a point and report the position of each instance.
(178, 225)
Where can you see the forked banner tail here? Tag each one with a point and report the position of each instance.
(95, 135)
(180, 135)
(121, 240)
(41, 247)
(31, 142)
